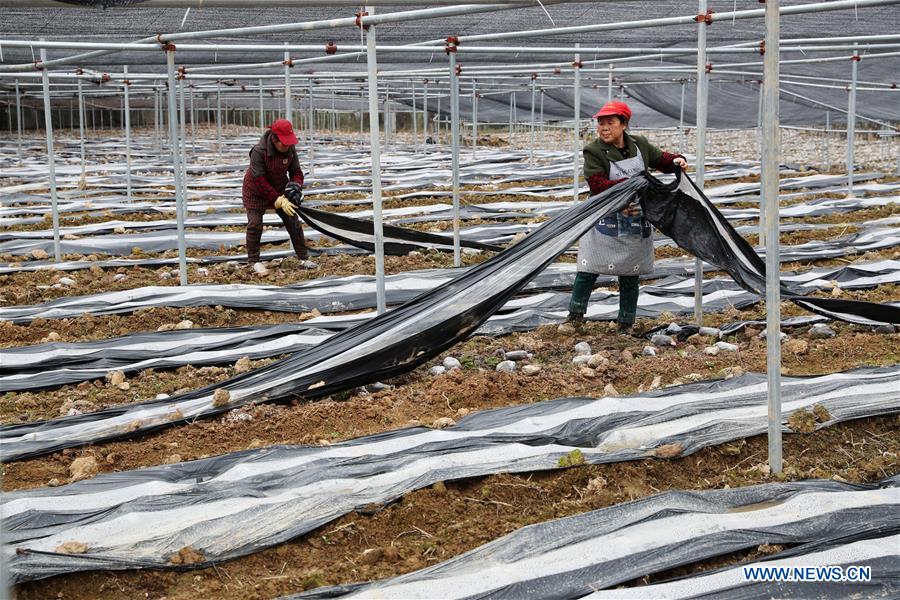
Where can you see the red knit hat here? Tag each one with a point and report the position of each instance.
(282, 128)
(619, 109)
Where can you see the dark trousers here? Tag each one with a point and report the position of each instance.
(255, 229)
(628, 295)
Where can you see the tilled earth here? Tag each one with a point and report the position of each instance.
(433, 524)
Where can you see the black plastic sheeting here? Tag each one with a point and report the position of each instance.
(397, 240)
(730, 583)
(694, 223)
(239, 503)
(571, 557)
(406, 337)
(53, 364)
(393, 343)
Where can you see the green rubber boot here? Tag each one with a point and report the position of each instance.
(628, 298)
(581, 295)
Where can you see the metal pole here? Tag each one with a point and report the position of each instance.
(454, 145)
(474, 120)
(543, 129)
(576, 147)
(81, 119)
(387, 117)
(372, 63)
(533, 100)
(771, 154)
(759, 140)
(287, 85)
(191, 98)
(51, 159)
(609, 82)
(425, 113)
(262, 121)
(181, 140)
(681, 120)
(176, 168)
(219, 118)
(437, 115)
(702, 91)
(415, 125)
(156, 142)
(333, 116)
(511, 95)
(127, 115)
(19, 119)
(312, 132)
(851, 122)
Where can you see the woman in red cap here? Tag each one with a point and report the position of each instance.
(619, 244)
(274, 180)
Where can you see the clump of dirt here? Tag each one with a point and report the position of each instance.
(802, 421)
(186, 556)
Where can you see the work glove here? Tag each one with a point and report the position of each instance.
(282, 203)
(294, 192)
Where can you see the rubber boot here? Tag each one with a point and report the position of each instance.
(628, 298)
(581, 295)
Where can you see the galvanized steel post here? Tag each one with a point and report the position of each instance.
(683, 148)
(454, 150)
(372, 63)
(176, 167)
(181, 140)
(312, 132)
(157, 146)
(851, 122)
(702, 90)
(81, 119)
(576, 148)
(262, 121)
(127, 115)
(51, 158)
(219, 118)
(533, 100)
(474, 120)
(287, 84)
(19, 119)
(769, 188)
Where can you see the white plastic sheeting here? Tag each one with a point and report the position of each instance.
(236, 504)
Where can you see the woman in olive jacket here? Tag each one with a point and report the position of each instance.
(619, 244)
(274, 173)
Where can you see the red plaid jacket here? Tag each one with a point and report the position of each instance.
(269, 173)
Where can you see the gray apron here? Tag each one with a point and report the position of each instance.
(618, 244)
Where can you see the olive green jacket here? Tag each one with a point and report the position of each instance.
(598, 155)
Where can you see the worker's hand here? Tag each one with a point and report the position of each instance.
(283, 204)
(680, 162)
(632, 210)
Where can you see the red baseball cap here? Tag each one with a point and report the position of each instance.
(282, 128)
(614, 109)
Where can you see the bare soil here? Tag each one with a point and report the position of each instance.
(433, 524)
